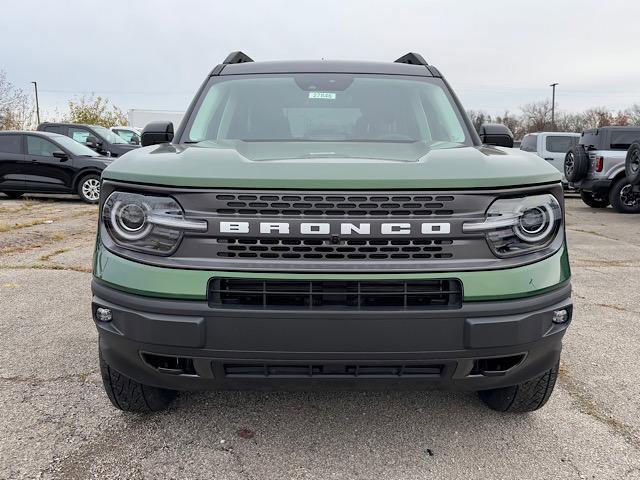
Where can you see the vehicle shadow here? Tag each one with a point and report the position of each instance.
(367, 431)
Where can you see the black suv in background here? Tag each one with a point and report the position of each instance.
(98, 138)
(40, 162)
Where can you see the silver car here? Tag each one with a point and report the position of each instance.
(596, 167)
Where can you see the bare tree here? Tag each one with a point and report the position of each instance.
(478, 117)
(513, 123)
(597, 117)
(16, 108)
(536, 116)
(633, 114)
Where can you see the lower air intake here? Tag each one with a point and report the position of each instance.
(335, 295)
(332, 370)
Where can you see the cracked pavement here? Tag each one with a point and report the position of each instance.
(56, 422)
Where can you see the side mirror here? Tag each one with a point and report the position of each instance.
(91, 142)
(134, 141)
(157, 132)
(496, 134)
(61, 155)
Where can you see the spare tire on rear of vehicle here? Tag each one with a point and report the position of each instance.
(576, 164)
(632, 163)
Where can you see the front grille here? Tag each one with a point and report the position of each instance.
(332, 370)
(330, 204)
(348, 249)
(334, 294)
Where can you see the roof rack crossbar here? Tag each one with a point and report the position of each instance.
(412, 59)
(237, 57)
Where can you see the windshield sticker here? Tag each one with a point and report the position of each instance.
(323, 95)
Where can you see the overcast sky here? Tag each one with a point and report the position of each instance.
(153, 54)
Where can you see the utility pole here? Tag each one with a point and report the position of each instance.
(553, 106)
(35, 85)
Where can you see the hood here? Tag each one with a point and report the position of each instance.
(297, 166)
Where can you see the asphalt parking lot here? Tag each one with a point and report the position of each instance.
(56, 422)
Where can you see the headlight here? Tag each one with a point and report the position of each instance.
(517, 226)
(146, 223)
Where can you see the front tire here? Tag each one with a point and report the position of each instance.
(594, 201)
(130, 396)
(89, 188)
(622, 197)
(13, 195)
(524, 397)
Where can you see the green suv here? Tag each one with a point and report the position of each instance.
(330, 224)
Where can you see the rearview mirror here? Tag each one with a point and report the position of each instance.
(157, 132)
(496, 134)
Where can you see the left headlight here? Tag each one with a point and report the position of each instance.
(517, 226)
(146, 223)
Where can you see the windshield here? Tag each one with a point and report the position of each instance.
(108, 135)
(74, 147)
(337, 108)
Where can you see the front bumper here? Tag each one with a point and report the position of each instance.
(484, 344)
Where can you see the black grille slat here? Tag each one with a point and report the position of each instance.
(331, 370)
(346, 249)
(335, 294)
(373, 205)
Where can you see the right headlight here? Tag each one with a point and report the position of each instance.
(147, 223)
(517, 226)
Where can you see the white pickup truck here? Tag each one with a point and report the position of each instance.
(552, 146)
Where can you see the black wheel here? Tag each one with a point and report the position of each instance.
(594, 201)
(632, 163)
(13, 195)
(89, 188)
(622, 197)
(576, 164)
(130, 396)
(524, 397)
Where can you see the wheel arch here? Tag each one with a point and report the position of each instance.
(618, 175)
(82, 173)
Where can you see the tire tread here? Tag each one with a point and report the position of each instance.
(131, 396)
(525, 397)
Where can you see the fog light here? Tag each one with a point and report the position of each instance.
(104, 314)
(560, 316)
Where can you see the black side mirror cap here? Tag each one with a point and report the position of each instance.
(156, 132)
(61, 155)
(496, 134)
(92, 142)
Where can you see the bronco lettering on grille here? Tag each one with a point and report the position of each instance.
(321, 228)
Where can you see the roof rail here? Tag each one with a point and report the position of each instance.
(412, 59)
(237, 57)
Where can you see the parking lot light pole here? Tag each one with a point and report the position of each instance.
(553, 106)
(35, 85)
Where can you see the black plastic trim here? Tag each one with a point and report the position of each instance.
(455, 340)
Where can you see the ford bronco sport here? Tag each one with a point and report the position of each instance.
(596, 167)
(329, 224)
